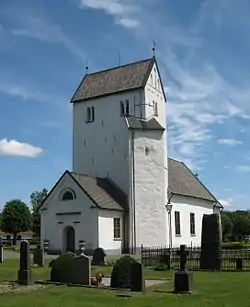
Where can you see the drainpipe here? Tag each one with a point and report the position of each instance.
(133, 191)
(169, 209)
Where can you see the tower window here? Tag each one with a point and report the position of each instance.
(127, 107)
(155, 109)
(122, 109)
(90, 114)
(158, 84)
(155, 75)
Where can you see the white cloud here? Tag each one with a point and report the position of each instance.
(229, 142)
(128, 23)
(199, 96)
(122, 11)
(243, 168)
(226, 202)
(15, 148)
(46, 32)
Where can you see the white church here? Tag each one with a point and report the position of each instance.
(123, 190)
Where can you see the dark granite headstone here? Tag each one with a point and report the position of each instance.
(38, 256)
(1, 251)
(81, 270)
(137, 277)
(69, 268)
(24, 273)
(183, 280)
(98, 256)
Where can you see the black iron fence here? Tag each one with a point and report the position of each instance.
(231, 259)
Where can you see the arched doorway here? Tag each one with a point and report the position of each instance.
(70, 239)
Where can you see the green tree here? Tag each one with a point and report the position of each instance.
(36, 200)
(241, 225)
(235, 225)
(227, 225)
(16, 218)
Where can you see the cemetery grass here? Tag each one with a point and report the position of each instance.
(212, 289)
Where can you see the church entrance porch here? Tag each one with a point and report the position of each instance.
(69, 239)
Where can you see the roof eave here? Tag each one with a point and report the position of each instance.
(195, 197)
(105, 95)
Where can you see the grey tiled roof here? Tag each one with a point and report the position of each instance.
(127, 77)
(104, 193)
(140, 124)
(183, 182)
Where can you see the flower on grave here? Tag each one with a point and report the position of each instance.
(97, 279)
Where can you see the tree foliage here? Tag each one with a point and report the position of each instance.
(235, 225)
(15, 218)
(36, 200)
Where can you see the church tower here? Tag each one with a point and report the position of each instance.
(119, 133)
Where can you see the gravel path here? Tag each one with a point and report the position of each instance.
(148, 282)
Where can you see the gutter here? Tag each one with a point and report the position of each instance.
(169, 199)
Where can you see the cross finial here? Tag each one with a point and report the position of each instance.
(153, 48)
(86, 67)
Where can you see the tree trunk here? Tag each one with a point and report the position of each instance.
(14, 238)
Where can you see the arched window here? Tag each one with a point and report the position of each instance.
(68, 195)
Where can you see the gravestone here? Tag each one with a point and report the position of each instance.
(183, 279)
(81, 270)
(38, 256)
(137, 277)
(1, 251)
(211, 242)
(98, 256)
(24, 273)
(69, 268)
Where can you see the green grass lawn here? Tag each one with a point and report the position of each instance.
(212, 289)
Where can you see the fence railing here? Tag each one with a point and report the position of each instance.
(231, 259)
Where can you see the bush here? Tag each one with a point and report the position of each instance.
(110, 263)
(121, 274)
(99, 256)
(162, 267)
(165, 259)
(233, 245)
(34, 242)
(61, 269)
(51, 263)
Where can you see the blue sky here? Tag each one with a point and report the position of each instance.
(202, 50)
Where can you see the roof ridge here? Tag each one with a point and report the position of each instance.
(85, 175)
(175, 160)
(199, 181)
(120, 66)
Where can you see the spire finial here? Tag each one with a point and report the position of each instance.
(86, 67)
(118, 58)
(153, 48)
